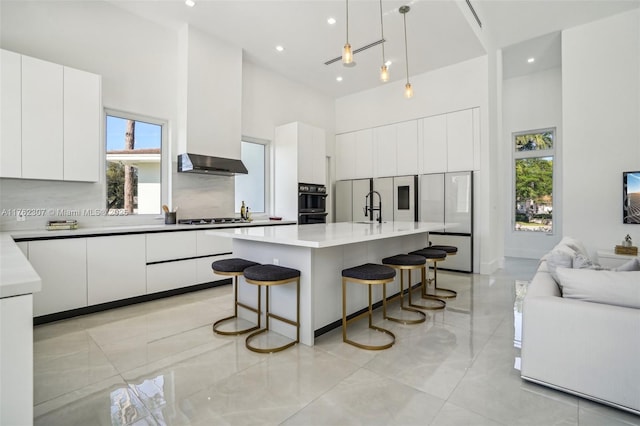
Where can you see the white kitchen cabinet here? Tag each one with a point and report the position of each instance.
(311, 154)
(476, 139)
(407, 148)
(62, 266)
(385, 156)
(345, 153)
(170, 275)
(215, 248)
(42, 113)
(362, 161)
(433, 145)
(162, 246)
(116, 268)
(82, 115)
(10, 115)
(460, 141)
(50, 121)
(204, 273)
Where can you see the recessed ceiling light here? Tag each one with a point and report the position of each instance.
(190, 3)
(531, 60)
(338, 78)
(279, 48)
(331, 21)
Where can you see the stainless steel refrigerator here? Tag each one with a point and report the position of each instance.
(447, 198)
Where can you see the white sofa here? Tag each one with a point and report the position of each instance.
(585, 348)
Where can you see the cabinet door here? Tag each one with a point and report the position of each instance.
(42, 105)
(10, 115)
(204, 273)
(82, 103)
(116, 268)
(433, 145)
(319, 156)
(363, 154)
(171, 275)
(460, 141)
(171, 245)
(304, 146)
(361, 188)
(344, 201)
(212, 244)
(345, 153)
(385, 141)
(62, 266)
(407, 148)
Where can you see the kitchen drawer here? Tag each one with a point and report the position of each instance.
(204, 273)
(170, 275)
(212, 244)
(171, 246)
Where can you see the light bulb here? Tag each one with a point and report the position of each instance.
(347, 56)
(384, 73)
(408, 91)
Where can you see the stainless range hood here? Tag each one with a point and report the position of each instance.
(204, 164)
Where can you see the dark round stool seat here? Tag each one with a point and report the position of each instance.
(448, 249)
(370, 272)
(404, 260)
(232, 265)
(270, 273)
(430, 253)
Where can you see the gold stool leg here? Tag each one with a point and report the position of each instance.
(437, 304)
(222, 321)
(442, 293)
(422, 315)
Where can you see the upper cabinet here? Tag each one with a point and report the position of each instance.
(385, 143)
(450, 142)
(354, 155)
(407, 148)
(312, 153)
(50, 120)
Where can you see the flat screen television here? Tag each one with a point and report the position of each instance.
(631, 197)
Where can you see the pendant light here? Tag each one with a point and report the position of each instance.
(347, 55)
(408, 90)
(384, 71)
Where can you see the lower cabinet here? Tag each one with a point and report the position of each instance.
(170, 275)
(116, 268)
(62, 266)
(204, 273)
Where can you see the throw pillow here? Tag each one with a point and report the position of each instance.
(575, 245)
(608, 287)
(632, 265)
(559, 258)
(583, 262)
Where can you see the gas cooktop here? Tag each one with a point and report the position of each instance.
(210, 221)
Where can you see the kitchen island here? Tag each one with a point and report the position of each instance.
(321, 252)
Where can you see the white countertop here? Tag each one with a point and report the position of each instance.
(17, 276)
(327, 235)
(125, 229)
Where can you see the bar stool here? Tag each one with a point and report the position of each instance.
(403, 262)
(370, 274)
(451, 251)
(234, 267)
(435, 256)
(269, 276)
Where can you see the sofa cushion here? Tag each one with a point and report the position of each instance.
(559, 258)
(608, 287)
(575, 245)
(632, 265)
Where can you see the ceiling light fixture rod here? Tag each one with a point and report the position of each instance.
(384, 72)
(408, 90)
(475, 15)
(358, 50)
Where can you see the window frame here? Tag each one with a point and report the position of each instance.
(165, 164)
(541, 153)
(268, 146)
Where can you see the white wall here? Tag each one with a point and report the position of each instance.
(601, 112)
(531, 102)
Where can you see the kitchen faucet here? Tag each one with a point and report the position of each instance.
(372, 209)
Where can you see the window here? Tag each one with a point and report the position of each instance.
(134, 164)
(252, 187)
(534, 152)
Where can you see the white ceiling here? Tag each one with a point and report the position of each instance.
(439, 32)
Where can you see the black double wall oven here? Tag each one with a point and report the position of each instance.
(312, 204)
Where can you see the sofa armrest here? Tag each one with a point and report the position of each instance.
(586, 348)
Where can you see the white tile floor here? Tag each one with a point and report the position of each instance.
(159, 363)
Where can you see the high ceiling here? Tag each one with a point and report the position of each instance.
(439, 32)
